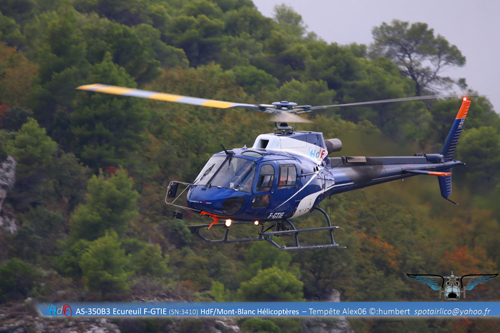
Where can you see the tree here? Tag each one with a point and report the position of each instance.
(260, 256)
(111, 204)
(108, 128)
(32, 148)
(271, 285)
(55, 42)
(128, 12)
(481, 148)
(34, 151)
(289, 20)
(260, 326)
(9, 31)
(68, 264)
(253, 79)
(420, 55)
(200, 37)
(105, 266)
(16, 76)
(17, 278)
(309, 92)
(149, 261)
(219, 292)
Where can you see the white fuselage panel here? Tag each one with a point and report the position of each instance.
(282, 143)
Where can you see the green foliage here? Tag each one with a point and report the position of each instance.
(105, 266)
(17, 279)
(57, 45)
(188, 326)
(411, 47)
(310, 92)
(110, 204)
(236, 54)
(32, 148)
(14, 118)
(288, 325)
(255, 325)
(219, 292)
(3, 152)
(260, 256)
(128, 12)
(139, 49)
(150, 261)
(253, 79)
(289, 20)
(9, 31)
(38, 235)
(193, 270)
(200, 37)
(272, 284)
(155, 325)
(481, 148)
(69, 180)
(332, 63)
(107, 128)
(19, 10)
(68, 264)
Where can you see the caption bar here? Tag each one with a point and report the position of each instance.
(278, 309)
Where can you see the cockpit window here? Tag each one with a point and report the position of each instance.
(209, 170)
(288, 176)
(266, 178)
(234, 173)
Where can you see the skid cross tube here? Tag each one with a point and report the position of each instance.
(265, 235)
(195, 229)
(268, 236)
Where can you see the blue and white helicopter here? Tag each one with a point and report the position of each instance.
(287, 174)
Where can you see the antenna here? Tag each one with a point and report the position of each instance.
(228, 152)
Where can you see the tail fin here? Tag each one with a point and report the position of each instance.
(450, 145)
(456, 129)
(445, 186)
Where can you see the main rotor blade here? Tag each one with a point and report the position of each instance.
(287, 117)
(394, 100)
(115, 90)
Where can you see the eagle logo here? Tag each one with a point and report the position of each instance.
(452, 286)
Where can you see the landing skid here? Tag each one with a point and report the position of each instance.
(265, 235)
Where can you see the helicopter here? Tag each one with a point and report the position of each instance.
(287, 174)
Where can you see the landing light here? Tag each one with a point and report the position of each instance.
(256, 223)
(228, 223)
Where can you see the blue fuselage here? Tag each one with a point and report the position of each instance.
(282, 185)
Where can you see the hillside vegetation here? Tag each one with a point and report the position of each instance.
(93, 169)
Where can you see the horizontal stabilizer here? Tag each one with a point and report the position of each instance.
(430, 173)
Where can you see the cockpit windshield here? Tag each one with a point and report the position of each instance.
(228, 172)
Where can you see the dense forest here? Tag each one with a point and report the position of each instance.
(92, 170)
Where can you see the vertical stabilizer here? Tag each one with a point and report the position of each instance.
(445, 185)
(450, 145)
(456, 129)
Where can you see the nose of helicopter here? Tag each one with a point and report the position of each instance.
(215, 200)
